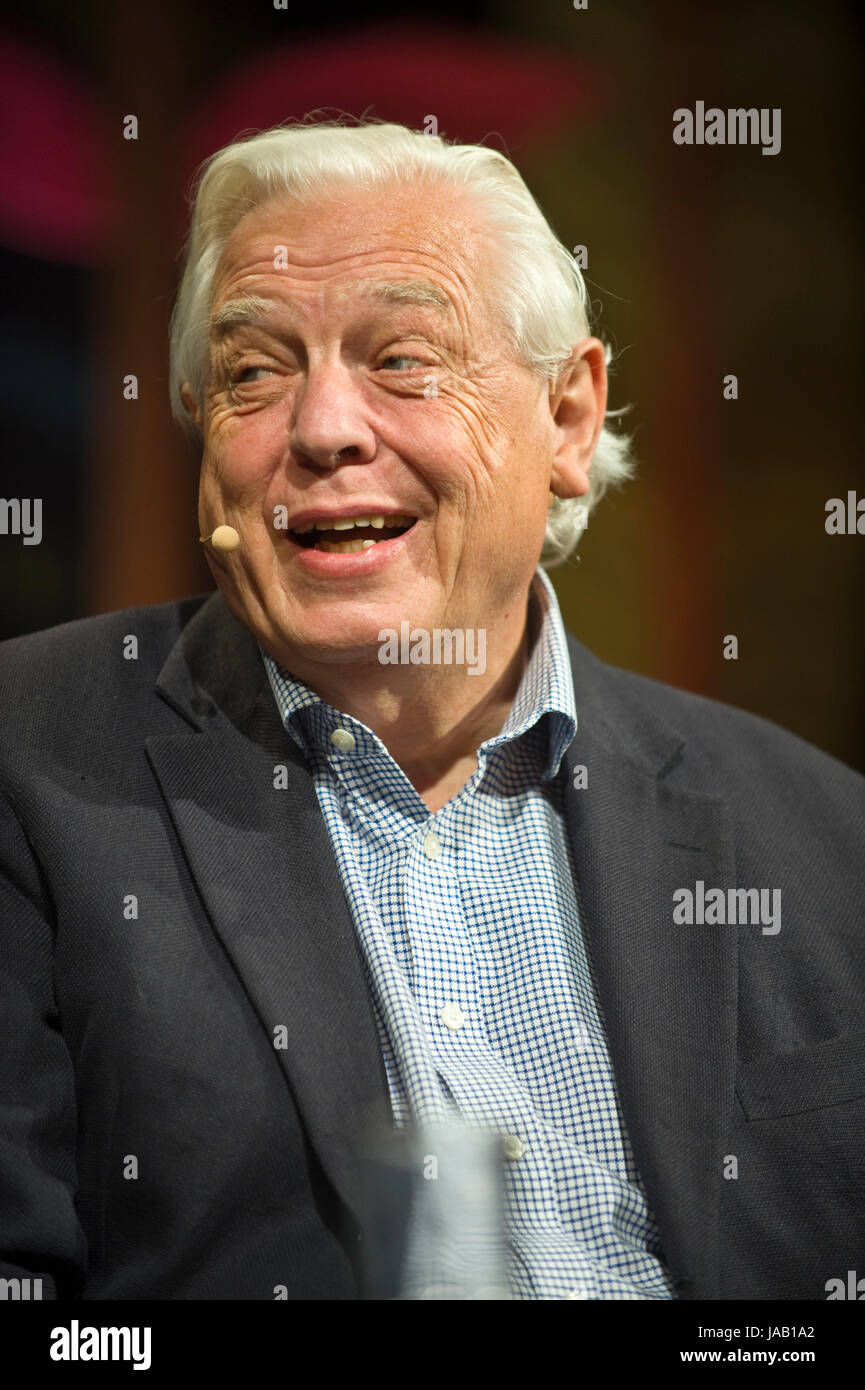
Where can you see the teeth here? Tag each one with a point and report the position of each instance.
(349, 523)
(343, 547)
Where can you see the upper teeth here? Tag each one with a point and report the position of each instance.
(348, 523)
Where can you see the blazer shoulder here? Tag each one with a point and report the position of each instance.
(40, 669)
(724, 743)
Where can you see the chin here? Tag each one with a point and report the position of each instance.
(330, 642)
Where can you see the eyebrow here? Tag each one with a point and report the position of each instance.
(252, 309)
(248, 308)
(409, 292)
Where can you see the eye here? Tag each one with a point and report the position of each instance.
(402, 358)
(243, 374)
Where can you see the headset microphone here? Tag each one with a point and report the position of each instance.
(224, 538)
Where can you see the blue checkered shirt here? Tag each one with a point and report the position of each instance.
(469, 925)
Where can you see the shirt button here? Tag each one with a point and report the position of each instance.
(452, 1017)
(513, 1147)
(577, 1293)
(342, 740)
(432, 845)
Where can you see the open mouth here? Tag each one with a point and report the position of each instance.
(347, 535)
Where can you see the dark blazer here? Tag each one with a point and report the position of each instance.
(156, 1143)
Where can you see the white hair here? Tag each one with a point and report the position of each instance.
(543, 297)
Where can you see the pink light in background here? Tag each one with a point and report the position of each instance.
(55, 202)
(56, 197)
(476, 85)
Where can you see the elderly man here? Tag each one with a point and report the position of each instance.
(366, 838)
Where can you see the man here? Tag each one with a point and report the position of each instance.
(366, 838)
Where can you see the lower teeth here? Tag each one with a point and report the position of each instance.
(344, 547)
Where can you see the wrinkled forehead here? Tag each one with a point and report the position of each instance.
(347, 240)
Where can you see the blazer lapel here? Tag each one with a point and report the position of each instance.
(668, 993)
(264, 869)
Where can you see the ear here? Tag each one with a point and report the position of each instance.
(578, 404)
(190, 403)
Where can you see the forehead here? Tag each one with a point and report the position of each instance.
(340, 244)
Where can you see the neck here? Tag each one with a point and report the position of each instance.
(432, 718)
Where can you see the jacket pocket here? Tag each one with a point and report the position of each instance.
(829, 1073)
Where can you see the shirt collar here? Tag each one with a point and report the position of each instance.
(546, 688)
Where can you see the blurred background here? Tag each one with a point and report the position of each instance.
(702, 262)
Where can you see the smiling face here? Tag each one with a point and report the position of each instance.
(358, 370)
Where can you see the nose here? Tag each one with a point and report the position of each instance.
(328, 424)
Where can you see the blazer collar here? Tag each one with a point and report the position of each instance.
(245, 809)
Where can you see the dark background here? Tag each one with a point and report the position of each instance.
(702, 261)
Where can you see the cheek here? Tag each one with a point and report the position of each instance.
(242, 451)
(459, 438)
(493, 418)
